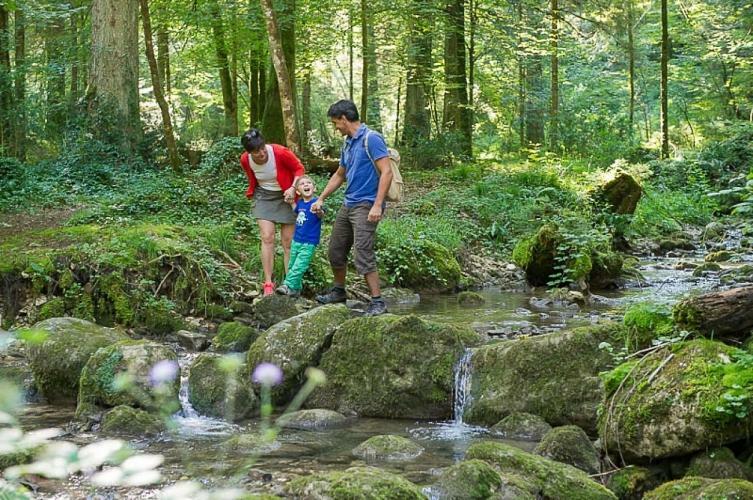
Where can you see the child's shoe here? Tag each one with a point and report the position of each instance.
(286, 290)
(269, 288)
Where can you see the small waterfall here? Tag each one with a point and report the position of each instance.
(186, 409)
(462, 390)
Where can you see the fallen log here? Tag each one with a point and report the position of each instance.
(317, 165)
(721, 314)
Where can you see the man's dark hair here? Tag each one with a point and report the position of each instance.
(345, 108)
(252, 140)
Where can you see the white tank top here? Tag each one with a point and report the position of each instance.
(266, 175)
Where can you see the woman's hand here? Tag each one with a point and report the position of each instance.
(289, 194)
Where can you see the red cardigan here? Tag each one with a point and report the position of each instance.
(286, 162)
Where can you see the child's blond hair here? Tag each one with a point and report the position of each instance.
(298, 181)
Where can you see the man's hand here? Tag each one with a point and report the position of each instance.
(375, 214)
(317, 207)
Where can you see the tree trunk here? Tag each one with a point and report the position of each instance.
(521, 80)
(374, 104)
(253, 90)
(73, 95)
(456, 117)
(167, 125)
(163, 58)
(20, 84)
(6, 94)
(534, 106)
(55, 54)
(365, 63)
(287, 95)
(114, 74)
(229, 104)
(416, 124)
(397, 111)
(554, 94)
(306, 107)
(719, 314)
(631, 61)
(273, 118)
(350, 53)
(664, 114)
(471, 55)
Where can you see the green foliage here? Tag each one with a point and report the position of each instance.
(646, 322)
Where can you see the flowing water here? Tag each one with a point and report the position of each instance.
(197, 447)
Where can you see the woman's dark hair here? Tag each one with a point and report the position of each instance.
(252, 140)
(345, 108)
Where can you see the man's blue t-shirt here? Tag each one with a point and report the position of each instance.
(360, 173)
(308, 227)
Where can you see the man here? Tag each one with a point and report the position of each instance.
(357, 220)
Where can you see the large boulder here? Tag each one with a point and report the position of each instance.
(570, 445)
(314, 419)
(274, 308)
(719, 463)
(388, 447)
(677, 400)
(219, 393)
(692, 488)
(543, 478)
(632, 482)
(295, 344)
(131, 421)
(356, 482)
(57, 361)
(234, 336)
(536, 254)
(554, 376)
(472, 480)
(138, 373)
(619, 191)
(521, 426)
(392, 367)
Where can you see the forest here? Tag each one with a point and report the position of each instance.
(568, 275)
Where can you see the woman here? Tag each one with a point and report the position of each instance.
(272, 171)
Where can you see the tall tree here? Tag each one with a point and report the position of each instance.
(374, 103)
(416, 124)
(163, 57)
(554, 75)
(273, 119)
(6, 98)
(456, 116)
(167, 124)
(287, 95)
(365, 62)
(630, 20)
(114, 74)
(229, 103)
(664, 102)
(20, 85)
(54, 43)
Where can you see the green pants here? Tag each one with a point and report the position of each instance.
(300, 257)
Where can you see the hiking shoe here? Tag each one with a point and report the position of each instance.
(286, 290)
(376, 307)
(333, 296)
(269, 288)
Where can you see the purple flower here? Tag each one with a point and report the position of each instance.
(163, 372)
(267, 374)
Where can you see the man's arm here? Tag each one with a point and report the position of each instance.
(333, 185)
(385, 178)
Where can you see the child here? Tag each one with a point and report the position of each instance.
(308, 228)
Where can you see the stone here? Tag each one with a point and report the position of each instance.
(691, 488)
(522, 427)
(720, 256)
(620, 191)
(295, 344)
(122, 374)
(470, 299)
(714, 230)
(314, 419)
(541, 477)
(555, 376)
(706, 268)
(274, 308)
(470, 480)
(536, 254)
(678, 400)
(632, 482)
(355, 482)
(58, 360)
(569, 444)
(234, 336)
(387, 448)
(215, 392)
(131, 421)
(392, 367)
(402, 296)
(719, 463)
(192, 341)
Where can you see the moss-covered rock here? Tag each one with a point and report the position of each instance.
(356, 482)
(705, 268)
(16, 458)
(315, 419)
(692, 488)
(677, 243)
(719, 463)
(274, 308)
(471, 299)
(58, 360)
(632, 482)
(679, 400)
(295, 344)
(543, 478)
(521, 426)
(470, 480)
(53, 308)
(620, 191)
(714, 231)
(536, 254)
(121, 374)
(554, 376)
(219, 393)
(234, 337)
(422, 265)
(645, 322)
(606, 270)
(131, 421)
(251, 443)
(570, 445)
(720, 256)
(392, 367)
(388, 447)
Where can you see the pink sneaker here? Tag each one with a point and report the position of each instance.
(269, 288)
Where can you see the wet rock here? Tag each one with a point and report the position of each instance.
(218, 393)
(274, 308)
(725, 314)
(706, 268)
(685, 266)
(521, 426)
(356, 482)
(234, 336)
(699, 487)
(570, 445)
(58, 360)
(131, 421)
(687, 406)
(555, 376)
(620, 191)
(315, 419)
(536, 254)
(240, 307)
(472, 480)
(192, 341)
(121, 374)
(295, 344)
(437, 269)
(393, 367)
(541, 477)
(667, 245)
(719, 463)
(632, 482)
(251, 443)
(16, 458)
(471, 299)
(402, 296)
(720, 256)
(714, 230)
(388, 448)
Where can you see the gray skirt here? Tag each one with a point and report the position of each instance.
(271, 206)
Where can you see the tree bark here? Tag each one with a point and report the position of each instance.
(287, 96)
(56, 102)
(114, 74)
(535, 103)
(167, 124)
(664, 113)
(273, 120)
(20, 85)
(6, 94)
(456, 118)
(73, 95)
(720, 314)
(365, 63)
(253, 90)
(374, 104)
(521, 80)
(416, 121)
(306, 107)
(163, 58)
(350, 53)
(631, 61)
(554, 94)
(230, 105)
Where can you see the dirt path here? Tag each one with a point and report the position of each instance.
(15, 223)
